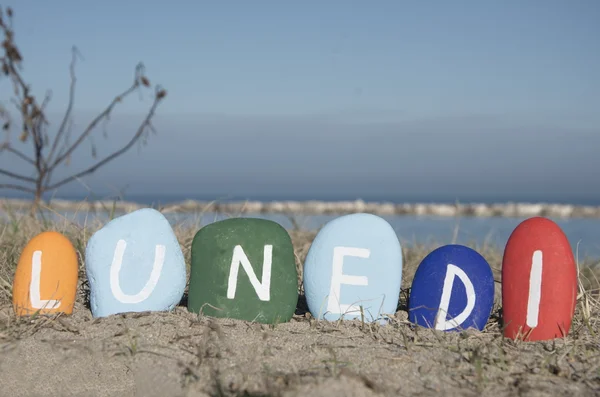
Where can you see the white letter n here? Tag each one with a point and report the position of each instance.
(115, 269)
(34, 287)
(239, 257)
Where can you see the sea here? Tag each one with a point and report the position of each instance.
(583, 234)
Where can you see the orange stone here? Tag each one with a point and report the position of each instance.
(46, 277)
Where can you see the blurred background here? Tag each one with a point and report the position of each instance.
(339, 100)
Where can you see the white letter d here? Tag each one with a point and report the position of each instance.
(441, 323)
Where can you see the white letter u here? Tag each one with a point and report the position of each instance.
(115, 269)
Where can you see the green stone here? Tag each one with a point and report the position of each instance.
(244, 246)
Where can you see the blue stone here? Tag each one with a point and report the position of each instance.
(134, 264)
(355, 260)
(453, 289)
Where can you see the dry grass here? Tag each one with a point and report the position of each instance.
(179, 353)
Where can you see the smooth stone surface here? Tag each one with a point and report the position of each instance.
(452, 290)
(243, 268)
(355, 260)
(46, 277)
(134, 264)
(539, 282)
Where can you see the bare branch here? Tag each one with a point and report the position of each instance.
(98, 118)
(17, 176)
(67, 116)
(67, 138)
(19, 154)
(50, 152)
(26, 101)
(145, 124)
(41, 116)
(16, 187)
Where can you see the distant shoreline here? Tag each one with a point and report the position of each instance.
(509, 209)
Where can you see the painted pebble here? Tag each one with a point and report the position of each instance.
(453, 289)
(244, 268)
(46, 277)
(539, 282)
(134, 264)
(353, 269)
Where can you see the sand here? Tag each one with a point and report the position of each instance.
(181, 354)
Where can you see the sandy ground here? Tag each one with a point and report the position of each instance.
(181, 354)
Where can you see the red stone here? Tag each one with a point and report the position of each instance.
(538, 241)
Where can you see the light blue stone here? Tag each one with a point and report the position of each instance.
(364, 249)
(152, 274)
(453, 289)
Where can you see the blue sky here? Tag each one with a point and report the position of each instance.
(359, 99)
